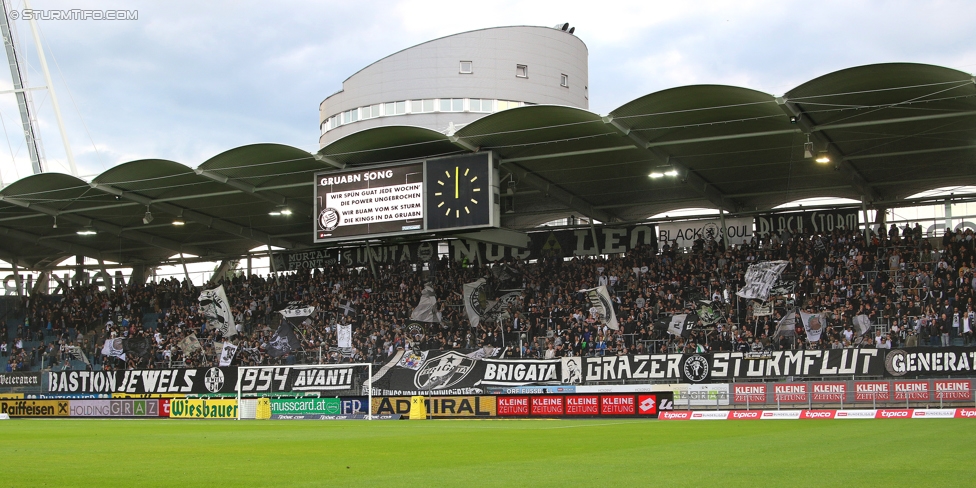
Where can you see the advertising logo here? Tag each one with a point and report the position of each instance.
(696, 368)
(647, 404)
(214, 380)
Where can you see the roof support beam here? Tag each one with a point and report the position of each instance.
(897, 120)
(689, 176)
(570, 153)
(909, 153)
(248, 188)
(857, 180)
(329, 161)
(558, 193)
(457, 141)
(55, 244)
(160, 242)
(199, 217)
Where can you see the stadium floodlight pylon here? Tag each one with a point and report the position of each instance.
(302, 381)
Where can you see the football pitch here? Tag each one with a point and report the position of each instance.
(935, 452)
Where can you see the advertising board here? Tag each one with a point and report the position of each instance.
(312, 406)
(440, 406)
(114, 408)
(35, 408)
(203, 409)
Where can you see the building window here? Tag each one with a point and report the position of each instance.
(395, 108)
(505, 105)
(370, 111)
(466, 67)
(452, 105)
(421, 106)
(521, 71)
(479, 105)
(564, 80)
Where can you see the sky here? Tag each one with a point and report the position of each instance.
(188, 80)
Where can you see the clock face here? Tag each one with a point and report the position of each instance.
(458, 192)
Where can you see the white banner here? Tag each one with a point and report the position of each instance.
(475, 301)
(426, 310)
(760, 278)
(297, 312)
(227, 354)
(684, 234)
(813, 325)
(344, 334)
(862, 324)
(217, 310)
(602, 307)
(113, 348)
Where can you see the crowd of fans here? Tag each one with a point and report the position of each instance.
(914, 295)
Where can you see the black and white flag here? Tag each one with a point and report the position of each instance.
(760, 278)
(283, 341)
(426, 310)
(601, 307)
(78, 354)
(709, 312)
(344, 334)
(113, 348)
(227, 354)
(475, 301)
(862, 324)
(296, 313)
(813, 325)
(760, 309)
(682, 323)
(786, 326)
(137, 347)
(347, 307)
(190, 344)
(216, 309)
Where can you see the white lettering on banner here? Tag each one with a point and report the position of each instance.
(899, 362)
(724, 366)
(510, 372)
(684, 234)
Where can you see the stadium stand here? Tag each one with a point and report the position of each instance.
(914, 292)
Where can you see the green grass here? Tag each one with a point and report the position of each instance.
(488, 453)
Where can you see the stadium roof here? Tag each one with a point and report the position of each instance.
(891, 130)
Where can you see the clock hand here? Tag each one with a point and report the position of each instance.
(457, 170)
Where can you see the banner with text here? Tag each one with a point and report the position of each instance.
(815, 221)
(684, 234)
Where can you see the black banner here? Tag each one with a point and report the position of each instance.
(543, 244)
(415, 252)
(457, 373)
(454, 373)
(816, 221)
(19, 380)
(930, 361)
(298, 378)
(559, 243)
(204, 380)
(145, 382)
(727, 366)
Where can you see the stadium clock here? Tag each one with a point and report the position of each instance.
(458, 192)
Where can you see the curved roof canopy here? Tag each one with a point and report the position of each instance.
(889, 131)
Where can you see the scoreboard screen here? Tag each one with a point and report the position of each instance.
(456, 192)
(370, 202)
